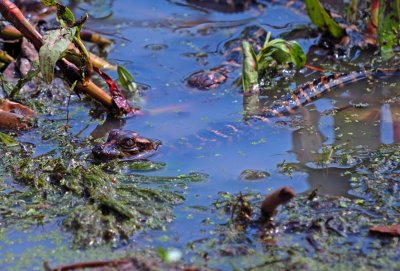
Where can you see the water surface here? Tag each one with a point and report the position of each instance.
(162, 43)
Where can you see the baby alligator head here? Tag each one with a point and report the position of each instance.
(125, 144)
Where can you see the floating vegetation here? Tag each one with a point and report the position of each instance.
(97, 205)
(311, 232)
(253, 174)
(59, 204)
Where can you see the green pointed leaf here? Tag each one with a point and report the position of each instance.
(55, 44)
(322, 20)
(249, 67)
(280, 56)
(65, 16)
(169, 255)
(7, 140)
(22, 81)
(283, 52)
(298, 58)
(126, 79)
(6, 85)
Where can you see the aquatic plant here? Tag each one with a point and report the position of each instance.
(274, 53)
(94, 202)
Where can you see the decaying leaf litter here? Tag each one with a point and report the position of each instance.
(67, 184)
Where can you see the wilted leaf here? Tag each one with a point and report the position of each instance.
(55, 44)
(322, 20)
(249, 68)
(15, 116)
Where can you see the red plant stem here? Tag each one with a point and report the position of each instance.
(92, 264)
(372, 26)
(14, 15)
(314, 68)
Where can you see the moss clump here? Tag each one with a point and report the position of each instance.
(312, 232)
(98, 204)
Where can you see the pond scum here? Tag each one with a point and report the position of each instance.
(100, 204)
(97, 204)
(312, 232)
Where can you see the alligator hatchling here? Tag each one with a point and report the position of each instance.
(125, 144)
(289, 102)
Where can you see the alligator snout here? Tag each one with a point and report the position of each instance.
(125, 144)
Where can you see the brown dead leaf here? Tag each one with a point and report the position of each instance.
(393, 230)
(15, 116)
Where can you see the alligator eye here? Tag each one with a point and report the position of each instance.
(112, 135)
(128, 143)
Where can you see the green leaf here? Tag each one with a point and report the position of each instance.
(298, 58)
(398, 8)
(283, 52)
(322, 20)
(169, 255)
(280, 56)
(22, 81)
(249, 67)
(7, 140)
(55, 44)
(351, 11)
(49, 3)
(126, 79)
(278, 50)
(6, 85)
(388, 27)
(65, 16)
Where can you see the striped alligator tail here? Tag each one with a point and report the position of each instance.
(310, 91)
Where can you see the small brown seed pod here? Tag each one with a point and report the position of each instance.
(276, 198)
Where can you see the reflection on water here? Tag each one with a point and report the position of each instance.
(220, 6)
(188, 143)
(352, 128)
(178, 38)
(217, 132)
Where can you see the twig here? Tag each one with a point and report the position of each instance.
(12, 13)
(91, 264)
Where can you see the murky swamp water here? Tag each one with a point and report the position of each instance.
(162, 43)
